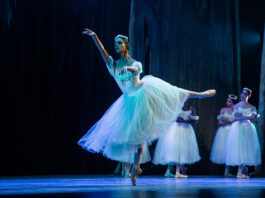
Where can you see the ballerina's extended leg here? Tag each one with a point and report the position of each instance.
(204, 94)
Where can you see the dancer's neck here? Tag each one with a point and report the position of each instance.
(124, 57)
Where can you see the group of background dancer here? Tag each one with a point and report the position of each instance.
(148, 110)
(236, 141)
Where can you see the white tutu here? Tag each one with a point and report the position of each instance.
(242, 146)
(177, 146)
(135, 118)
(218, 148)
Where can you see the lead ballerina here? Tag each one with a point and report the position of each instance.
(146, 108)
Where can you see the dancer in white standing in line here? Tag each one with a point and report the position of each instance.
(243, 147)
(178, 146)
(225, 119)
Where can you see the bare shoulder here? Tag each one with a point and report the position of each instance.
(223, 110)
(133, 61)
(112, 61)
(237, 105)
(253, 107)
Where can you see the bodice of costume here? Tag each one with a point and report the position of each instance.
(244, 111)
(185, 115)
(126, 81)
(226, 116)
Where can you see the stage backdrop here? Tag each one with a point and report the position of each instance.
(54, 84)
(189, 45)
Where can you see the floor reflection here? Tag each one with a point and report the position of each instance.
(148, 187)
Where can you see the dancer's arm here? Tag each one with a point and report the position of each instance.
(253, 117)
(136, 67)
(223, 121)
(129, 68)
(99, 45)
(254, 114)
(188, 121)
(240, 117)
(193, 116)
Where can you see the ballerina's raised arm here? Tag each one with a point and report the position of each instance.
(99, 45)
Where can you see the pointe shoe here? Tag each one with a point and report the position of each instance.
(178, 175)
(208, 93)
(243, 176)
(136, 170)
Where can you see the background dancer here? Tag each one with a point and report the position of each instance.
(178, 146)
(243, 147)
(225, 119)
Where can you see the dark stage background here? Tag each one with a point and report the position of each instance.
(54, 85)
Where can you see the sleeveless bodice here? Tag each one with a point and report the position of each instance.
(185, 115)
(128, 82)
(226, 115)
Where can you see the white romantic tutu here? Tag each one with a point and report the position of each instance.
(135, 118)
(242, 146)
(177, 146)
(218, 148)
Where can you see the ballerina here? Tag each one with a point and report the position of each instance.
(243, 147)
(178, 146)
(225, 119)
(146, 108)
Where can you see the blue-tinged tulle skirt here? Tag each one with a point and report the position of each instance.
(242, 147)
(218, 148)
(178, 145)
(134, 119)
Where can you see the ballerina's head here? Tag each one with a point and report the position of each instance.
(231, 100)
(121, 44)
(246, 94)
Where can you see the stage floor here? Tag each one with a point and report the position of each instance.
(101, 186)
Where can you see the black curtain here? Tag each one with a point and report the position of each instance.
(189, 44)
(261, 110)
(54, 85)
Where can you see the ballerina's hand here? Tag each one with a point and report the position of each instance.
(254, 117)
(237, 114)
(195, 118)
(88, 32)
(123, 70)
(227, 120)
